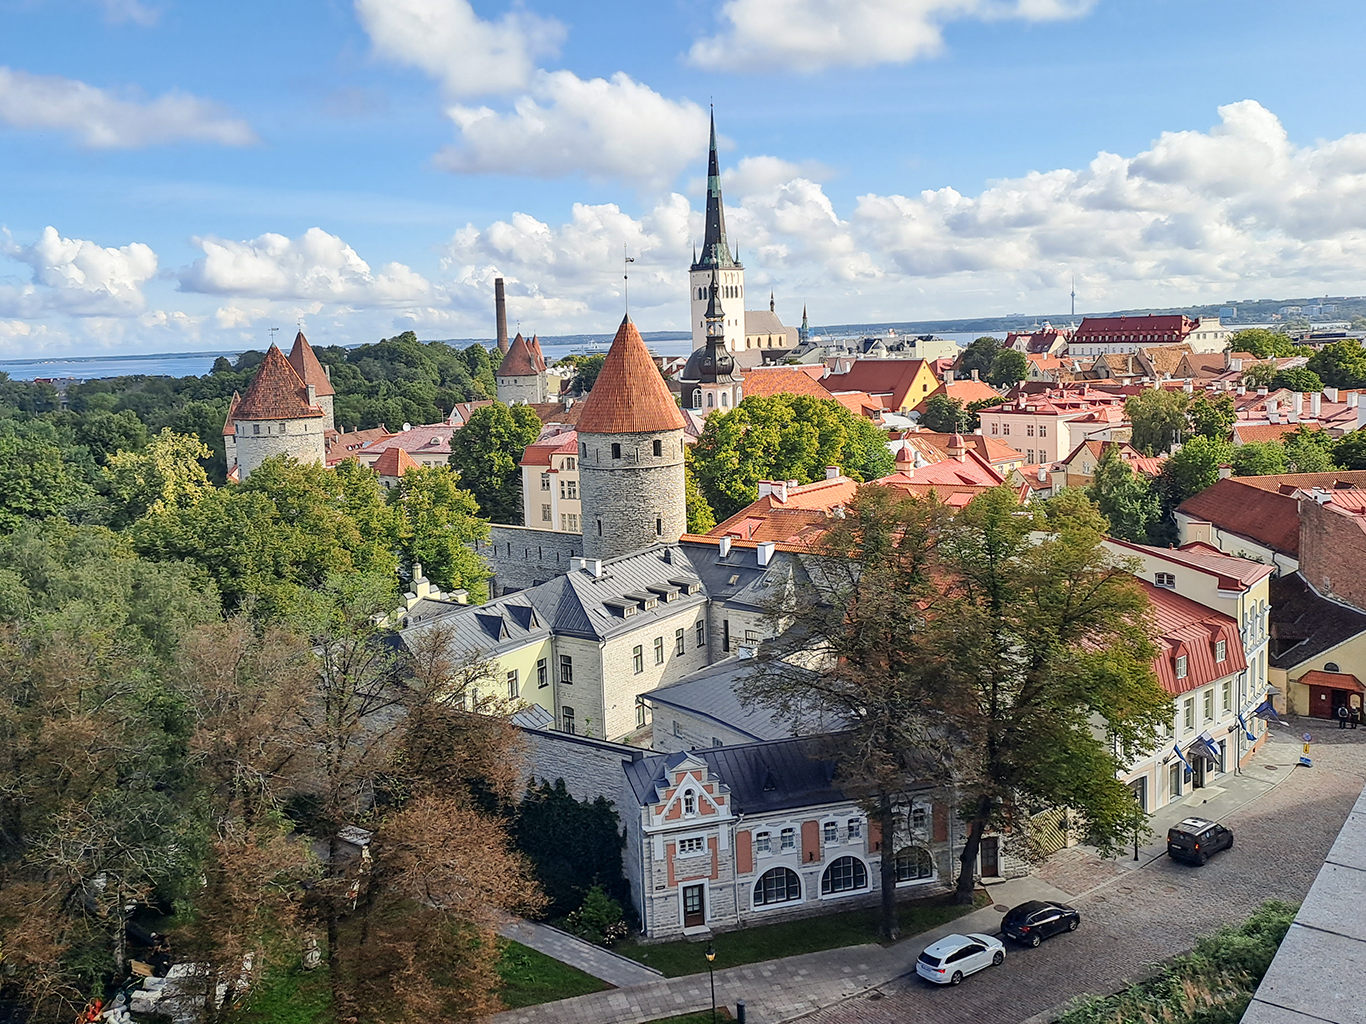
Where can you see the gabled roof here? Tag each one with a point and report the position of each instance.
(711, 693)
(306, 365)
(276, 392)
(1247, 433)
(629, 396)
(521, 360)
(228, 427)
(1237, 506)
(394, 462)
(539, 454)
(1233, 573)
(965, 391)
(763, 321)
(1187, 628)
(782, 380)
(877, 377)
(1162, 323)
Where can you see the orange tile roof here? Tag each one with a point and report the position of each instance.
(520, 360)
(1247, 433)
(394, 462)
(965, 391)
(989, 448)
(892, 377)
(538, 454)
(306, 365)
(1335, 680)
(629, 396)
(228, 427)
(276, 392)
(860, 403)
(781, 380)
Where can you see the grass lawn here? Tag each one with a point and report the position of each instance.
(701, 1017)
(290, 997)
(789, 938)
(530, 977)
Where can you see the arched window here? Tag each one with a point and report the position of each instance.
(780, 885)
(711, 399)
(913, 863)
(697, 399)
(689, 802)
(1331, 666)
(846, 874)
(725, 398)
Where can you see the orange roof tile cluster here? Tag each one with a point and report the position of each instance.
(629, 396)
(1188, 629)
(860, 403)
(539, 454)
(892, 377)
(782, 380)
(523, 359)
(342, 446)
(394, 462)
(965, 391)
(1335, 680)
(276, 392)
(988, 448)
(306, 365)
(1247, 433)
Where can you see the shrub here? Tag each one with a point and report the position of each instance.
(599, 919)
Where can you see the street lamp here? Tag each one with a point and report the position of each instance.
(711, 956)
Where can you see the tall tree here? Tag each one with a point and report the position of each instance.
(1213, 417)
(37, 481)
(1258, 375)
(487, 453)
(1262, 343)
(1298, 378)
(1259, 458)
(979, 356)
(437, 524)
(944, 415)
(1008, 368)
(701, 518)
(1308, 450)
(1159, 419)
(167, 473)
(1192, 469)
(1340, 365)
(1124, 497)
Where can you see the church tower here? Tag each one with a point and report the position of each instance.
(804, 331)
(630, 454)
(716, 256)
(711, 380)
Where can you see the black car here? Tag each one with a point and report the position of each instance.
(1194, 839)
(1036, 920)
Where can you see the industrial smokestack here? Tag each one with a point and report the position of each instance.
(500, 307)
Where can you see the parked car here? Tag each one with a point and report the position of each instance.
(1194, 839)
(954, 957)
(1036, 920)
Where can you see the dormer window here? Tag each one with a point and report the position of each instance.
(1220, 650)
(1180, 666)
(1165, 580)
(689, 802)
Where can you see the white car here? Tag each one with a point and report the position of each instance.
(954, 957)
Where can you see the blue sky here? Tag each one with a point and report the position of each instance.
(181, 176)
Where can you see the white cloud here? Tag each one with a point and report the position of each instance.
(448, 41)
(134, 12)
(316, 266)
(615, 128)
(72, 275)
(101, 120)
(809, 35)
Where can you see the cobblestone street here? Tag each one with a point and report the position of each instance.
(1137, 916)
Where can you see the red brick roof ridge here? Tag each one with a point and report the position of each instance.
(306, 365)
(276, 392)
(629, 396)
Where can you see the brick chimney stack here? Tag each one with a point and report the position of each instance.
(500, 309)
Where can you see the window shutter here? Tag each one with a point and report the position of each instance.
(874, 835)
(744, 853)
(941, 823)
(811, 841)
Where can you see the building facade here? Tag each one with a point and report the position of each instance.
(278, 415)
(522, 374)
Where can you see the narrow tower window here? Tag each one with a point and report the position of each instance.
(659, 448)
(616, 451)
(659, 527)
(599, 527)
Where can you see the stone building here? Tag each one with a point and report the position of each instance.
(278, 415)
(522, 374)
(630, 454)
(314, 375)
(710, 380)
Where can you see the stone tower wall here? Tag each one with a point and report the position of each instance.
(529, 389)
(302, 441)
(324, 402)
(637, 498)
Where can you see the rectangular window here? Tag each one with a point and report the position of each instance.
(567, 716)
(542, 673)
(830, 832)
(616, 450)
(701, 635)
(569, 489)
(1188, 713)
(256, 428)
(678, 728)
(1181, 667)
(725, 635)
(763, 842)
(658, 448)
(545, 481)
(993, 428)
(919, 818)
(716, 742)
(693, 846)
(1029, 455)
(573, 522)
(1164, 579)
(788, 839)
(659, 650)
(855, 830)
(680, 641)
(751, 636)
(1005, 429)
(1220, 650)
(1043, 429)
(1209, 705)
(514, 688)
(545, 513)
(1029, 430)
(640, 713)
(1227, 696)
(638, 659)
(566, 669)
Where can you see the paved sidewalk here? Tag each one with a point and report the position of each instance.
(601, 963)
(776, 990)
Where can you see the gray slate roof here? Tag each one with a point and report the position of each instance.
(761, 777)
(1304, 624)
(754, 585)
(711, 693)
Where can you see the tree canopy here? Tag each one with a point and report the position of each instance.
(1262, 343)
(944, 415)
(1125, 498)
(487, 453)
(1159, 419)
(1008, 368)
(1341, 364)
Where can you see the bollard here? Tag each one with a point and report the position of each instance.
(740, 1011)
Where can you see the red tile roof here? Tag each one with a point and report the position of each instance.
(1245, 433)
(306, 365)
(394, 462)
(781, 380)
(276, 392)
(342, 446)
(1132, 328)
(538, 454)
(965, 391)
(1234, 573)
(860, 403)
(1237, 506)
(521, 360)
(878, 377)
(988, 448)
(228, 427)
(1187, 628)
(629, 396)
(1334, 680)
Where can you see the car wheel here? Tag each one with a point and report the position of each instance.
(1034, 939)
(1230, 843)
(957, 978)
(1072, 924)
(998, 959)
(1200, 860)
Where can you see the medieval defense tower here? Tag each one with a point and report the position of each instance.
(630, 454)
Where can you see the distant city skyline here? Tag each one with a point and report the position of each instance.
(181, 177)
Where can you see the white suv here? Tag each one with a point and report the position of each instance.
(954, 957)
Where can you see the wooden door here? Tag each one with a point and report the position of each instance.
(694, 910)
(991, 860)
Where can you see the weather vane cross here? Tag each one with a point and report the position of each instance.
(626, 276)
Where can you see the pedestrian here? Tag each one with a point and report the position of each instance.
(1356, 715)
(1342, 716)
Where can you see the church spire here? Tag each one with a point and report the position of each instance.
(715, 251)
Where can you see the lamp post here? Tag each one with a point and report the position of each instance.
(711, 956)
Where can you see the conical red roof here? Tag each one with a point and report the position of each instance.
(306, 365)
(537, 356)
(276, 392)
(629, 396)
(394, 462)
(520, 360)
(228, 426)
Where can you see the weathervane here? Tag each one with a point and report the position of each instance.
(273, 331)
(626, 277)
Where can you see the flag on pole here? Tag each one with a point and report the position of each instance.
(1205, 746)
(1267, 712)
(1176, 748)
(1246, 731)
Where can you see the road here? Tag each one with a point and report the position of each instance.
(1134, 919)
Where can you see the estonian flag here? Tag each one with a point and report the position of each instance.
(1265, 711)
(1246, 731)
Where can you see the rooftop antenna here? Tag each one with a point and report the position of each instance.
(1074, 296)
(273, 331)
(626, 277)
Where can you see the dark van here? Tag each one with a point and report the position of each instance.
(1194, 839)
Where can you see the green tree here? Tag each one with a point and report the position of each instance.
(1259, 458)
(1340, 365)
(1213, 418)
(586, 372)
(1192, 469)
(37, 481)
(1262, 343)
(1298, 378)
(1308, 450)
(167, 473)
(487, 453)
(783, 437)
(438, 523)
(1159, 419)
(1350, 451)
(104, 433)
(979, 356)
(574, 844)
(1258, 375)
(701, 518)
(1125, 498)
(1008, 368)
(944, 415)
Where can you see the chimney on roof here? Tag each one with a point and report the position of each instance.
(312, 394)
(948, 376)
(1331, 394)
(765, 552)
(1188, 387)
(831, 472)
(974, 375)
(723, 548)
(1353, 399)
(1042, 473)
(1242, 390)
(500, 312)
(1361, 415)
(594, 566)
(1225, 471)
(1022, 400)
(1261, 391)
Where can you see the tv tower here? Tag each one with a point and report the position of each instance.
(1074, 296)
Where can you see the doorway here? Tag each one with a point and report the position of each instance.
(694, 907)
(1174, 781)
(991, 857)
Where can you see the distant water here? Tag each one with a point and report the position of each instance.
(197, 364)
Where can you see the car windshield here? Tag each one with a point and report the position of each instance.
(929, 959)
